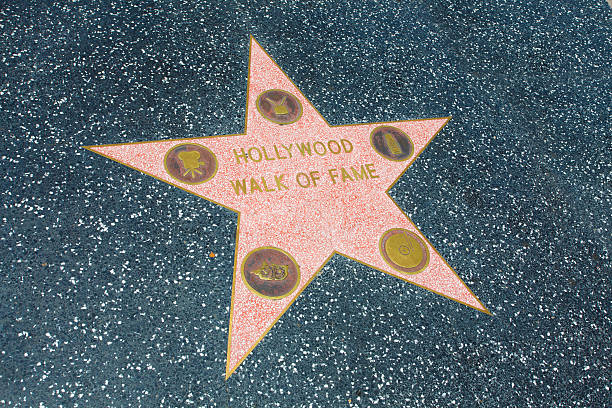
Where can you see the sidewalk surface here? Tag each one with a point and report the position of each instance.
(116, 288)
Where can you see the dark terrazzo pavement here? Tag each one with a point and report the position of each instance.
(108, 296)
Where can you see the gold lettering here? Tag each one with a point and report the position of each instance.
(333, 175)
(279, 183)
(345, 174)
(255, 186)
(266, 154)
(314, 146)
(303, 175)
(304, 148)
(314, 175)
(258, 154)
(259, 184)
(288, 149)
(263, 182)
(239, 156)
(346, 143)
(239, 186)
(278, 153)
(329, 146)
(360, 175)
(371, 171)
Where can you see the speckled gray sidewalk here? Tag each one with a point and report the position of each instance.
(108, 295)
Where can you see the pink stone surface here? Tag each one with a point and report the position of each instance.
(309, 223)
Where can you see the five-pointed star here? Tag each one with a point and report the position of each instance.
(347, 212)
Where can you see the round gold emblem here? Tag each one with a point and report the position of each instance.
(279, 106)
(270, 272)
(190, 163)
(404, 251)
(391, 143)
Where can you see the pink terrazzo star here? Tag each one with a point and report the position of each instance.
(305, 206)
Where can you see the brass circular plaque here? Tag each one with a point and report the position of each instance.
(391, 143)
(279, 106)
(190, 163)
(270, 272)
(404, 251)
